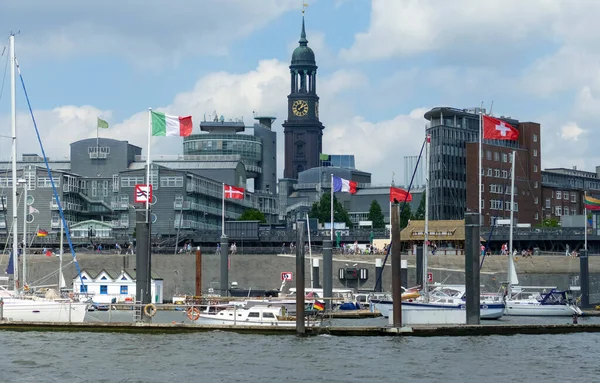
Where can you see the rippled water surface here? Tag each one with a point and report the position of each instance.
(226, 357)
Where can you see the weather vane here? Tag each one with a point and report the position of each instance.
(304, 6)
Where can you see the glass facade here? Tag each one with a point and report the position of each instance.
(450, 131)
(249, 147)
(345, 161)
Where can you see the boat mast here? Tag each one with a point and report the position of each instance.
(60, 264)
(512, 201)
(426, 231)
(13, 123)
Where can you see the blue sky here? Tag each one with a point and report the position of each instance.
(382, 64)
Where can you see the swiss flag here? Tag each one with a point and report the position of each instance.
(495, 129)
(233, 192)
(398, 195)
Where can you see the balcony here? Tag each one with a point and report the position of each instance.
(119, 205)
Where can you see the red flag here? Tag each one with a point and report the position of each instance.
(233, 192)
(399, 195)
(495, 129)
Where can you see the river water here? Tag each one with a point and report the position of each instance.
(227, 357)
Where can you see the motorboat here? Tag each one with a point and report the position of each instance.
(255, 316)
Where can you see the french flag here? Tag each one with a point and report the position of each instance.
(342, 185)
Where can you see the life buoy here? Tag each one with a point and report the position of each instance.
(193, 314)
(150, 310)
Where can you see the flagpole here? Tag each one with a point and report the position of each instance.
(479, 208)
(585, 221)
(148, 163)
(331, 209)
(223, 213)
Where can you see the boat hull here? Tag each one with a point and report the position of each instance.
(486, 310)
(213, 320)
(42, 310)
(536, 309)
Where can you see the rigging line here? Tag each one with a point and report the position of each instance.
(4, 76)
(487, 244)
(538, 208)
(60, 209)
(378, 281)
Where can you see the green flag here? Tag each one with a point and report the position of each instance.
(324, 157)
(102, 124)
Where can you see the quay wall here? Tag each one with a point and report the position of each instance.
(264, 271)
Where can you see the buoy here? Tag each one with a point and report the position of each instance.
(150, 310)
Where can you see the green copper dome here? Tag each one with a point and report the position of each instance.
(303, 54)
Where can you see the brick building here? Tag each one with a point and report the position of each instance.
(563, 191)
(454, 168)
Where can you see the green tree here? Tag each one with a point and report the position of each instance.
(551, 222)
(252, 215)
(405, 216)
(321, 210)
(420, 213)
(376, 216)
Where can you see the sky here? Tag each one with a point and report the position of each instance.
(382, 65)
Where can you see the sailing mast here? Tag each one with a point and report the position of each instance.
(13, 123)
(426, 231)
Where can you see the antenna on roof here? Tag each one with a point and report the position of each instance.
(491, 107)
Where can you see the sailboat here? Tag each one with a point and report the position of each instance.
(532, 300)
(443, 304)
(17, 304)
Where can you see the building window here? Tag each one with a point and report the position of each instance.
(496, 156)
(558, 211)
(535, 200)
(548, 203)
(496, 204)
(535, 138)
(482, 203)
(566, 196)
(573, 211)
(566, 211)
(537, 216)
(171, 182)
(497, 173)
(535, 185)
(535, 152)
(535, 169)
(83, 289)
(124, 290)
(504, 157)
(104, 289)
(573, 197)
(488, 155)
(489, 172)
(504, 174)
(115, 183)
(94, 188)
(558, 195)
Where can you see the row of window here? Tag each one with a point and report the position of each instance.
(496, 204)
(104, 289)
(565, 195)
(560, 210)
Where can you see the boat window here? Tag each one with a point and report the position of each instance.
(268, 315)
(253, 315)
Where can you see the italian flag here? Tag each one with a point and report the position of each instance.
(171, 126)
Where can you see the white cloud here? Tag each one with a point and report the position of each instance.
(408, 27)
(148, 33)
(378, 146)
(571, 131)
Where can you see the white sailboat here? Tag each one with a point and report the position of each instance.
(438, 306)
(532, 300)
(18, 306)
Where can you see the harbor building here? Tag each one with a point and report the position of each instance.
(454, 172)
(96, 189)
(563, 191)
(107, 286)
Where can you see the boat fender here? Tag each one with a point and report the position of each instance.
(193, 314)
(150, 310)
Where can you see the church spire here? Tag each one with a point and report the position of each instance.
(303, 40)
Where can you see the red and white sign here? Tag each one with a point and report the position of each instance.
(286, 276)
(142, 193)
(233, 192)
(429, 277)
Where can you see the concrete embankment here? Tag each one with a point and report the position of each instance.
(264, 271)
(465, 330)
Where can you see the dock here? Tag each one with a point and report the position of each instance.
(421, 331)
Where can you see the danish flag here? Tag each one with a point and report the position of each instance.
(233, 192)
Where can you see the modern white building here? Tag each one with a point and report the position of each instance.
(112, 286)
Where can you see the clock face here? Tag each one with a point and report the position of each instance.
(300, 108)
(317, 109)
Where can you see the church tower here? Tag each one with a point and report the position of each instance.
(303, 132)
